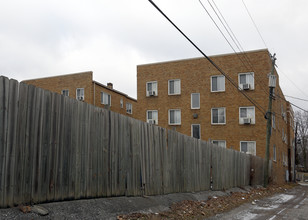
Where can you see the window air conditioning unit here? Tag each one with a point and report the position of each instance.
(129, 111)
(151, 93)
(80, 98)
(152, 121)
(246, 86)
(247, 121)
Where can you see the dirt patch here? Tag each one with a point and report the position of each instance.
(202, 209)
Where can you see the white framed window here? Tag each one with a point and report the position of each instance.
(105, 98)
(152, 117)
(121, 103)
(284, 159)
(274, 152)
(174, 116)
(174, 87)
(283, 113)
(129, 108)
(195, 100)
(220, 143)
(248, 147)
(246, 81)
(151, 88)
(217, 83)
(65, 92)
(219, 115)
(80, 94)
(247, 115)
(196, 131)
(282, 134)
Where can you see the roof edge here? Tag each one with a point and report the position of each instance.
(114, 90)
(196, 58)
(69, 74)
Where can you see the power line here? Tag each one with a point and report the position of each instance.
(296, 98)
(210, 60)
(299, 107)
(254, 23)
(292, 82)
(217, 25)
(234, 39)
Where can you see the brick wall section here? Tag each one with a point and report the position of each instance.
(92, 90)
(195, 76)
(115, 99)
(69, 81)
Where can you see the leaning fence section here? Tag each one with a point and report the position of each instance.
(54, 148)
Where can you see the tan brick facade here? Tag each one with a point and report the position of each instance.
(92, 90)
(195, 77)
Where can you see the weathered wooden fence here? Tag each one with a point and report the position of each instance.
(54, 148)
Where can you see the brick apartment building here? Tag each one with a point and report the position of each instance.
(82, 87)
(194, 98)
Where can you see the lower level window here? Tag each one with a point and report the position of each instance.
(195, 131)
(65, 92)
(105, 98)
(218, 115)
(274, 152)
(219, 143)
(129, 108)
(80, 94)
(174, 117)
(248, 147)
(152, 117)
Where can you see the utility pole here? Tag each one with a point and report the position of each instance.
(295, 154)
(268, 116)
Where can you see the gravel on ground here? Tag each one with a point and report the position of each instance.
(214, 205)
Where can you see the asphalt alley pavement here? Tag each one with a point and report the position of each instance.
(110, 208)
(293, 205)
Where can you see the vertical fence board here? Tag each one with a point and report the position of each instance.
(46, 146)
(34, 144)
(11, 142)
(21, 140)
(4, 99)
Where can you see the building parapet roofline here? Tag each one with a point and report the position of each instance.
(114, 90)
(197, 58)
(62, 75)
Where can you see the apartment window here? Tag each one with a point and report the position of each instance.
(174, 87)
(105, 98)
(273, 121)
(217, 83)
(80, 94)
(129, 108)
(65, 92)
(274, 152)
(121, 103)
(284, 159)
(218, 115)
(282, 134)
(174, 116)
(196, 131)
(219, 143)
(151, 88)
(283, 113)
(195, 100)
(248, 147)
(152, 117)
(247, 115)
(246, 80)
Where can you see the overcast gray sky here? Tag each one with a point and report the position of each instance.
(111, 37)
